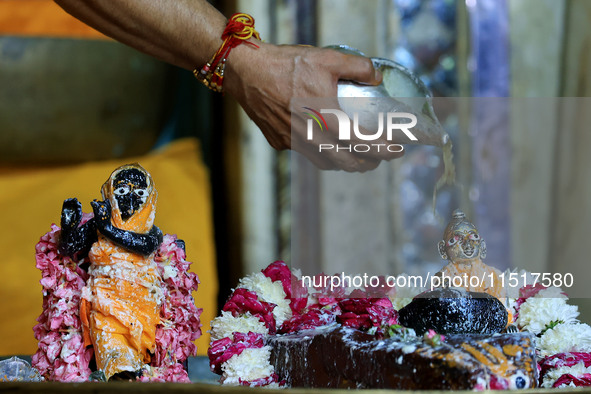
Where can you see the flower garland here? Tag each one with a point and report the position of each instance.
(61, 354)
(274, 301)
(564, 344)
(257, 309)
(174, 338)
(237, 349)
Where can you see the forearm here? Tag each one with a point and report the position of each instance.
(263, 80)
(185, 33)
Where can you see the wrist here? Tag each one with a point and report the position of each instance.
(239, 31)
(244, 60)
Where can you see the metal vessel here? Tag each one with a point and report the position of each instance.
(400, 91)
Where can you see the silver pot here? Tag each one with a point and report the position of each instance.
(400, 91)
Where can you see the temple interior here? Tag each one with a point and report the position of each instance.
(510, 81)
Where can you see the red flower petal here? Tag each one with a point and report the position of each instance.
(223, 349)
(564, 360)
(242, 301)
(578, 381)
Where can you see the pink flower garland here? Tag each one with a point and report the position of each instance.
(273, 378)
(365, 313)
(61, 354)
(556, 360)
(174, 343)
(564, 360)
(243, 300)
(577, 381)
(357, 310)
(224, 349)
(308, 320)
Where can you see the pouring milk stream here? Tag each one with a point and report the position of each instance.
(400, 91)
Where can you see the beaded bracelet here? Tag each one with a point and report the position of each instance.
(239, 28)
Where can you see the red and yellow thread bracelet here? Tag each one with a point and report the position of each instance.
(239, 28)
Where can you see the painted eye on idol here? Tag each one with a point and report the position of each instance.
(474, 236)
(121, 190)
(141, 192)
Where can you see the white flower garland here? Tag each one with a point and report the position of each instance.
(252, 364)
(547, 313)
(225, 325)
(564, 338)
(554, 374)
(268, 291)
(538, 313)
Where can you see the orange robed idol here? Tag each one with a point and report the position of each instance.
(121, 301)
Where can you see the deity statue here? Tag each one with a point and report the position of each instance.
(464, 249)
(117, 294)
(120, 306)
(469, 297)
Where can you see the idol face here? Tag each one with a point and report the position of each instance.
(463, 244)
(461, 240)
(130, 188)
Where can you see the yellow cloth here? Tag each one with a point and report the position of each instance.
(41, 18)
(31, 199)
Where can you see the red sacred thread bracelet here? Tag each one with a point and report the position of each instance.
(239, 28)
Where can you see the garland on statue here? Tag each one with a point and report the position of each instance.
(61, 354)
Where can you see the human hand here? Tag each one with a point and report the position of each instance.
(265, 81)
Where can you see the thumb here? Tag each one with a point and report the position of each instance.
(359, 69)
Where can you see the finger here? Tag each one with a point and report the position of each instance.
(325, 151)
(334, 162)
(310, 151)
(371, 128)
(368, 148)
(359, 69)
(323, 130)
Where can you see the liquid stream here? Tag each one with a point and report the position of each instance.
(449, 170)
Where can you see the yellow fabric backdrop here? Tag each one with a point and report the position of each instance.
(41, 18)
(31, 200)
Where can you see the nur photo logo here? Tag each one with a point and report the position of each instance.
(390, 127)
(320, 121)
